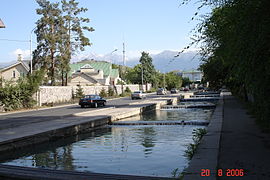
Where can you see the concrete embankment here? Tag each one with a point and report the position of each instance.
(19, 137)
(203, 164)
(22, 136)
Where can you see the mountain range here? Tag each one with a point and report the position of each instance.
(163, 61)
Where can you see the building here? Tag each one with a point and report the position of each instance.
(194, 75)
(93, 73)
(14, 71)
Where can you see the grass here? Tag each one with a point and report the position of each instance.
(192, 147)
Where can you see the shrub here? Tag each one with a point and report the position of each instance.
(103, 93)
(79, 92)
(16, 95)
(110, 92)
(127, 90)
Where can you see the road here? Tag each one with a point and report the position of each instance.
(11, 120)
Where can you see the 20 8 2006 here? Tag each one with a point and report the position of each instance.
(224, 172)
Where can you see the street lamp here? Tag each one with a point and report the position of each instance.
(2, 25)
(112, 53)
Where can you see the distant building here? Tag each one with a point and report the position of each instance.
(14, 71)
(194, 75)
(93, 73)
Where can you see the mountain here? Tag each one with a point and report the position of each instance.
(165, 61)
(186, 61)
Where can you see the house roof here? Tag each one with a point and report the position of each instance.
(99, 65)
(85, 74)
(13, 65)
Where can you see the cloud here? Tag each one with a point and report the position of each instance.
(24, 53)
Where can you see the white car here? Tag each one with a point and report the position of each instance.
(138, 95)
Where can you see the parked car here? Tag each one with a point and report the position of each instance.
(174, 91)
(92, 100)
(138, 95)
(161, 91)
(186, 89)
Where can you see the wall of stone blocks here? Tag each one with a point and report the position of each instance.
(60, 94)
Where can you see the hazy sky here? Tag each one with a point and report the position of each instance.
(144, 25)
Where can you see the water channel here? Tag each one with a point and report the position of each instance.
(151, 150)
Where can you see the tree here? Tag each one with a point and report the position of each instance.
(60, 34)
(133, 75)
(173, 80)
(147, 67)
(235, 45)
(79, 92)
(75, 38)
(185, 81)
(48, 36)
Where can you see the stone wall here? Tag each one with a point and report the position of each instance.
(59, 94)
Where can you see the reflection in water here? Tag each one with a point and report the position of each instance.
(148, 139)
(136, 150)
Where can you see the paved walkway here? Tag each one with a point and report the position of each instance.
(242, 144)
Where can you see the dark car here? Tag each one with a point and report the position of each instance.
(161, 91)
(174, 91)
(92, 100)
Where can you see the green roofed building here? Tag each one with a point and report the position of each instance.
(93, 73)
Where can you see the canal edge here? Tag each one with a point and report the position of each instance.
(203, 164)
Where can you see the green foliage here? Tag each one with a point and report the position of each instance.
(119, 82)
(16, 95)
(134, 75)
(192, 147)
(185, 82)
(103, 93)
(79, 92)
(173, 80)
(235, 47)
(111, 92)
(127, 90)
(59, 35)
(148, 68)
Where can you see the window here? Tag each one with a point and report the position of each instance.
(14, 74)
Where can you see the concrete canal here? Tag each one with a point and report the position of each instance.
(149, 149)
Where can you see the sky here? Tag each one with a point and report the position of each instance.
(144, 25)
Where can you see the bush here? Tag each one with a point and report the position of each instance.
(103, 93)
(16, 95)
(79, 92)
(111, 92)
(127, 90)
(151, 90)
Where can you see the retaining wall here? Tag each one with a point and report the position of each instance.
(58, 94)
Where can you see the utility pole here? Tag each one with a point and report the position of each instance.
(164, 80)
(123, 71)
(142, 78)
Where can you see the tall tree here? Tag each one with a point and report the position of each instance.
(75, 32)
(147, 68)
(60, 33)
(48, 37)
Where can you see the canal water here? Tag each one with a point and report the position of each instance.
(150, 150)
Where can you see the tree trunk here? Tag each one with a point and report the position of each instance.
(52, 68)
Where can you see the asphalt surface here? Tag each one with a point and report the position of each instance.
(243, 146)
(16, 119)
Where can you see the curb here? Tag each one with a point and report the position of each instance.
(203, 164)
